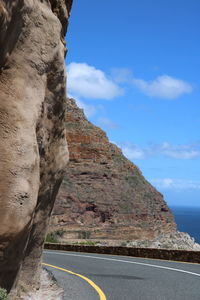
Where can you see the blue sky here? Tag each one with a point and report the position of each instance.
(134, 66)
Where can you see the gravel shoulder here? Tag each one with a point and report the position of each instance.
(50, 290)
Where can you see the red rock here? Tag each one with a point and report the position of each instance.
(104, 195)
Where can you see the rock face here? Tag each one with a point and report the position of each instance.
(33, 149)
(49, 289)
(104, 195)
(173, 241)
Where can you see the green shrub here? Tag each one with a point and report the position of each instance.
(87, 243)
(3, 294)
(123, 244)
(51, 238)
(59, 232)
(84, 235)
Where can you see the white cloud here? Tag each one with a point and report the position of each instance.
(122, 75)
(177, 184)
(132, 151)
(88, 82)
(184, 152)
(107, 123)
(163, 86)
(89, 110)
(178, 151)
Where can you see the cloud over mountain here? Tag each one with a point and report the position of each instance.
(185, 152)
(178, 184)
(163, 86)
(86, 81)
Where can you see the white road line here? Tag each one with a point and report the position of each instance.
(124, 261)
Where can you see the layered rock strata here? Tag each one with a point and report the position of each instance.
(104, 195)
(33, 149)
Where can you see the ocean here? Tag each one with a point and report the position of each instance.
(188, 220)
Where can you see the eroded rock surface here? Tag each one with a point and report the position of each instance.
(104, 195)
(49, 289)
(33, 149)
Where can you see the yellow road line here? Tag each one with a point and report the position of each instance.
(97, 289)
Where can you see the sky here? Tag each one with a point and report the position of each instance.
(134, 67)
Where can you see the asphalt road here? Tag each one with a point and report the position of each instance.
(123, 278)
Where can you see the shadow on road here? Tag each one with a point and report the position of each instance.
(125, 277)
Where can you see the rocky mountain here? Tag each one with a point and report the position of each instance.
(104, 195)
(33, 148)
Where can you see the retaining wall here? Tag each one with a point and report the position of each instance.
(166, 254)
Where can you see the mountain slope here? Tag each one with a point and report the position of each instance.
(104, 195)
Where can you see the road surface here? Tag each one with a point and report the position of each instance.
(95, 276)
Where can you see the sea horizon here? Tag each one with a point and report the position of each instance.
(187, 219)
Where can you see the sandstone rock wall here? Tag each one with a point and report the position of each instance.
(104, 195)
(33, 149)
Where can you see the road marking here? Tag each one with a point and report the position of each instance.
(124, 261)
(97, 289)
(151, 258)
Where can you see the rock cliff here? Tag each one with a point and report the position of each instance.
(33, 149)
(104, 195)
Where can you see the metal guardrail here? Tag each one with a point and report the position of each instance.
(165, 254)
